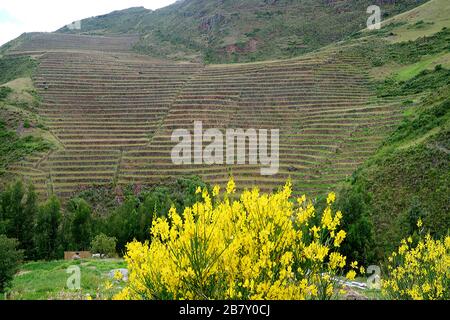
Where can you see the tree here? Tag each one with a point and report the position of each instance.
(47, 226)
(18, 210)
(104, 245)
(126, 223)
(12, 209)
(10, 259)
(182, 192)
(5, 219)
(27, 220)
(359, 243)
(156, 203)
(80, 224)
(133, 219)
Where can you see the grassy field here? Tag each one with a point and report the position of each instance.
(424, 20)
(48, 280)
(427, 63)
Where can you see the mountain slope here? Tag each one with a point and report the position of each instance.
(237, 30)
(408, 177)
(421, 21)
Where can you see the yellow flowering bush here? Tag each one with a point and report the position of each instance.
(420, 272)
(257, 246)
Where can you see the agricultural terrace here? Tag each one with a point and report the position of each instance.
(114, 112)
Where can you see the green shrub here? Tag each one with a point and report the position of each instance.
(427, 80)
(80, 224)
(4, 92)
(10, 259)
(128, 222)
(438, 67)
(129, 215)
(104, 245)
(359, 243)
(18, 209)
(47, 229)
(423, 122)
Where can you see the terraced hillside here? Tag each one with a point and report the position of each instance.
(38, 42)
(114, 114)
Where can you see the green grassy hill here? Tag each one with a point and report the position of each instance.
(407, 178)
(240, 31)
(22, 132)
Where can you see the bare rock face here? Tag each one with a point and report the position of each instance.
(209, 23)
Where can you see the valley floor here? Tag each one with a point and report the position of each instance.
(48, 280)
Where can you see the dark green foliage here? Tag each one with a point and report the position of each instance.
(47, 229)
(409, 176)
(418, 175)
(10, 259)
(79, 215)
(380, 52)
(359, 243)
(128, 222)
(18, 210)
(182, 191)
(45, 233)
(102, 199)
(16, 67)
(29, 218)
(4, 92)
(422, 123)
(10, 208)
(133, 217)
(408, 223)
(104, 245)
(426, 80)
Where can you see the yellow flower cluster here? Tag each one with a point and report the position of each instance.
(420, 272)
(260, 246)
